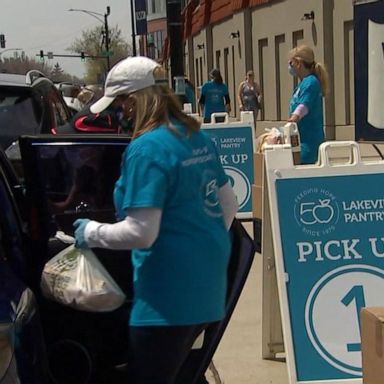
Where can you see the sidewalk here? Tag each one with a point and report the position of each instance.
(238, 357)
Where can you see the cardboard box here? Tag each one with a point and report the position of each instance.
(372, 344)
(258, 168)
(257, 201)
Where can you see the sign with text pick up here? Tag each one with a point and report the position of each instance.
(234, 143)
(328, 229)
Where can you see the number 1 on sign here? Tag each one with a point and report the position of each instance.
(356, 293)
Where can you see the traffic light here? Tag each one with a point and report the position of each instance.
(82, 56)
(41, 55)
(2, 41)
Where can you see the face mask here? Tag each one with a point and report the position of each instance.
(291, 70)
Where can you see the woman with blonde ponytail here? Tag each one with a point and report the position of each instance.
(306, 104)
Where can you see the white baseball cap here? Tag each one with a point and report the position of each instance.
(127, 76)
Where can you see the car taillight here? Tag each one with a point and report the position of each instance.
(54, 131)
(6, 348)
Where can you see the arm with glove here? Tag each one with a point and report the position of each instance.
(140, 227)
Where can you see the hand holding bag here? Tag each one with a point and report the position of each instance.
(76, 278)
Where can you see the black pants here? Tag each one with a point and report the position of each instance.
(159, 352)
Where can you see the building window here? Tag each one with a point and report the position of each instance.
(226, 55)
(197, 72)
(262, 48)
(155, 44)
(279, 48)
(297, 38)
(155, 6)
(218, 53)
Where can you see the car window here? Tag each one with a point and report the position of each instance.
(17, 114)
(60, 115)
(79, 175)
(66, 181)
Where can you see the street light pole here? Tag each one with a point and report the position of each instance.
(97, 16)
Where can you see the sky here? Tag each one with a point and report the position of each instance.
(47, 25)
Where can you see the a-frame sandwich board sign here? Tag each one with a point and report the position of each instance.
(328, 237)
(235, 145)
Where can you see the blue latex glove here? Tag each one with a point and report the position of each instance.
(79, 226)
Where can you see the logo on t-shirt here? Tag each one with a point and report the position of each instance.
(210, 194)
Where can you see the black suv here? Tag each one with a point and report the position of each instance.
(29, 104)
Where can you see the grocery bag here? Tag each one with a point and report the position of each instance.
(76, 278)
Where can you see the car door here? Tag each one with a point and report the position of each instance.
(22, 348)
(71, 176)
(67, 177)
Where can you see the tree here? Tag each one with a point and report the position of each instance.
(21, 64)
(57, 73)
(92, 44)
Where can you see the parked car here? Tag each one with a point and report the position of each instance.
(42, 341)
(29, 104)
(70, 92)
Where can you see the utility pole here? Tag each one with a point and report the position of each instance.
(107, 36)
(98, 16)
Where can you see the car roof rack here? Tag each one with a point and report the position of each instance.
(32, 75)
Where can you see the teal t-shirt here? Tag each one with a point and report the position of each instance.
(214, 94)
(181, 279)
(311, 126)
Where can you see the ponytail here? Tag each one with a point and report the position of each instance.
(322, 74)
(218, 79)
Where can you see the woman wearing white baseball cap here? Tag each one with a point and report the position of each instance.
(175, 206)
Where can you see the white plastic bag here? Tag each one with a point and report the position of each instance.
(75, 277)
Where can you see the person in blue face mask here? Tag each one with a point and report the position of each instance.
(306, 104)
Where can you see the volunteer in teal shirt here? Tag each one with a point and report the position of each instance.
(174, 206)
(306, 104)
(188, 261)
(214, 97)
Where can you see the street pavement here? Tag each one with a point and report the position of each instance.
(238, 358)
